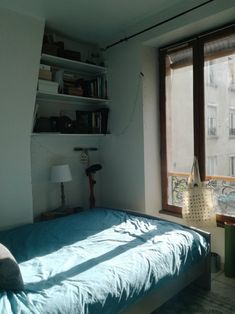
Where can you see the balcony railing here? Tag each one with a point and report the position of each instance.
(224, 187)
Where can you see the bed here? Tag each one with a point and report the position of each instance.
(103, 261)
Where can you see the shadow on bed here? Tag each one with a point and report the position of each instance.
(80, 268)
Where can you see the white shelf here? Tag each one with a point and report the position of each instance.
(70, 98)
(72, 65)
(62, 100)
(67, 134)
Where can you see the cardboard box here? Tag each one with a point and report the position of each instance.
(55, 49)
(45, 74)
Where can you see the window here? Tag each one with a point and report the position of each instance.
(231, 121)
(232, 166)
(231, 65)
(193, 112)
(211, 120)
(210, 76)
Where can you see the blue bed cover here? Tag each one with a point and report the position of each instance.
(98, 261)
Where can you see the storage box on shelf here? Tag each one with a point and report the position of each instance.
(73, 82)
(45, 86)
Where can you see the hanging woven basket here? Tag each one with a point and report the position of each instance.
(198, 200)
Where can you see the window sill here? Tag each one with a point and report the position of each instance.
(221, 219)
(168, 212)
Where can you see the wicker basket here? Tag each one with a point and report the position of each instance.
(198, 200)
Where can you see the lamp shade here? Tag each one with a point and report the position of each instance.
(60, 173)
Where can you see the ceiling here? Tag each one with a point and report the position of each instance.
(97, 21)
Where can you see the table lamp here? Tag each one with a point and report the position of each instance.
(61, 174)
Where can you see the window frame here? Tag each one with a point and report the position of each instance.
(197, 42)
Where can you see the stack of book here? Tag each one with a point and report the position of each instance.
(95, 122)
(73, 85)
(96, 87)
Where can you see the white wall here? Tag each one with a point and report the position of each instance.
(132, 163)
(122, 152)
(58, 149)
(20, 39)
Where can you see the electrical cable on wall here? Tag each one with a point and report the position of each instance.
(156, 25)
(125, 128)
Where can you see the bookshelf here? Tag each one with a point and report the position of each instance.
(55, 97)
(51, 134)
(71, 87)
(68, 64)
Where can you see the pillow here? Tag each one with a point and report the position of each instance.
(10, 275)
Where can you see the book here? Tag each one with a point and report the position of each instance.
(84, 121)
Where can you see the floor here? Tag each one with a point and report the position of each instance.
(223, 285)
(219, 300)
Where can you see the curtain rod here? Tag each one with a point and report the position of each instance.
(156, 25)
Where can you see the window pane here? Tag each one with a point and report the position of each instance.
(219, 73)
(179, 121)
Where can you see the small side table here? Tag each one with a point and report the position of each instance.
(53, 214)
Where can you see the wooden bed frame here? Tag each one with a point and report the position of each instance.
(200, 273)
